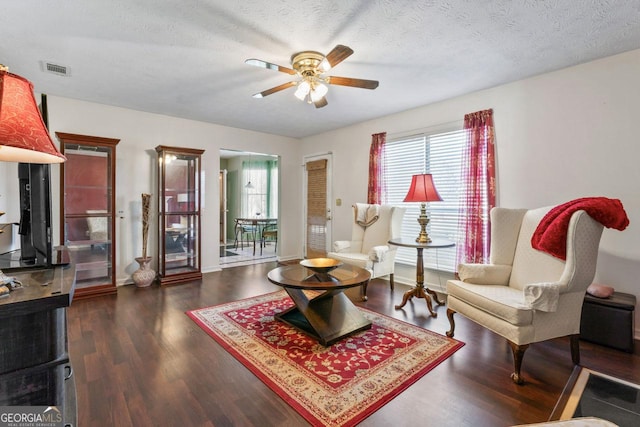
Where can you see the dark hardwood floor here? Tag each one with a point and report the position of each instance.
(138, 360)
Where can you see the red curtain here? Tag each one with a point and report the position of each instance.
(377, 189)
(479, 186)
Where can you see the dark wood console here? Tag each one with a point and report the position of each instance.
(34, 360)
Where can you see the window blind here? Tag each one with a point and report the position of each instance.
(316, 208)
(441, 155)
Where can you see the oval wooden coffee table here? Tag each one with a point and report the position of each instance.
(328, 316)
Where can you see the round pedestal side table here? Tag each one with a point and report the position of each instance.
(420, 291)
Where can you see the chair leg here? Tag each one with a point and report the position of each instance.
(575, 348)
(518, 355)
(235, 243)
(391, 280)
(452, 324)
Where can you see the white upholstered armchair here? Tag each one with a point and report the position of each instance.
(526, 295)
(373, 227)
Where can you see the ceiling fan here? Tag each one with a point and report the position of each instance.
(310, 67)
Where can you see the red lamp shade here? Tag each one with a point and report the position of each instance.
(23, 135)
(422, 189)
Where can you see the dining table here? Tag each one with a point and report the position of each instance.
(256, 225)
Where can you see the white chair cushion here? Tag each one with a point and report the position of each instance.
(378, 232)
(503, 302)
(505, 229)
(369, 247)
(531, 265)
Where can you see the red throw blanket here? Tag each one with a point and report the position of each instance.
(551, 234)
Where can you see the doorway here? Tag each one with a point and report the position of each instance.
(249, 217)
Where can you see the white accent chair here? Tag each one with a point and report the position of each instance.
(368, 247)
(523, 294)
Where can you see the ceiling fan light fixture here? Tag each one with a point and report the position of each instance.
(318, 92)
(310, 68)
(303, 90)
(324, 65)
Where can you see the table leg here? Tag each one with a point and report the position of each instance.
(328, 317)
(435, 296)
(420, 291)
(255, 231)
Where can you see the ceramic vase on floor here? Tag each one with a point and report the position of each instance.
(144, 276)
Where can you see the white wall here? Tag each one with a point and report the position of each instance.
(9, 192)
(136, 172)
(559, 136)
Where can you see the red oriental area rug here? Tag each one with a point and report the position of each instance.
(338, 385)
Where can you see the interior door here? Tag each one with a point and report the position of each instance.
(317, 206)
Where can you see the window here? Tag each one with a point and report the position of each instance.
(441, 155)
(261, 198)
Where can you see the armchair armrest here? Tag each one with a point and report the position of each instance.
(485, 274)
(378, 253)
(341, 246)
(542, 296)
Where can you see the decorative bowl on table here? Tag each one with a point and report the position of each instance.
(321, 265)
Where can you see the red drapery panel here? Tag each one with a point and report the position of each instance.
(376, 189)
(479, 184)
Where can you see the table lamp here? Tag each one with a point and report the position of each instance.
(23, 134)
(422, 190)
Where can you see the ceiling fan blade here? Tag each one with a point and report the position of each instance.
(348, 81)
(322, 102)
(338, 54)
(274, 89)
(270, 66)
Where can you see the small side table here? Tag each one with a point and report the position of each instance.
(419, 291)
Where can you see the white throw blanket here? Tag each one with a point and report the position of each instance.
(366, 214)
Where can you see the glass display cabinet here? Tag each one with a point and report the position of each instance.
(178, 214)
(88, 187)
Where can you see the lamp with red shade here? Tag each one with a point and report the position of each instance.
(422, 190)
(23, 135)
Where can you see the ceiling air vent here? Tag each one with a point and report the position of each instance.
(59, 70)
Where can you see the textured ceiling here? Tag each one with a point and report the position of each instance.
(185, 58)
